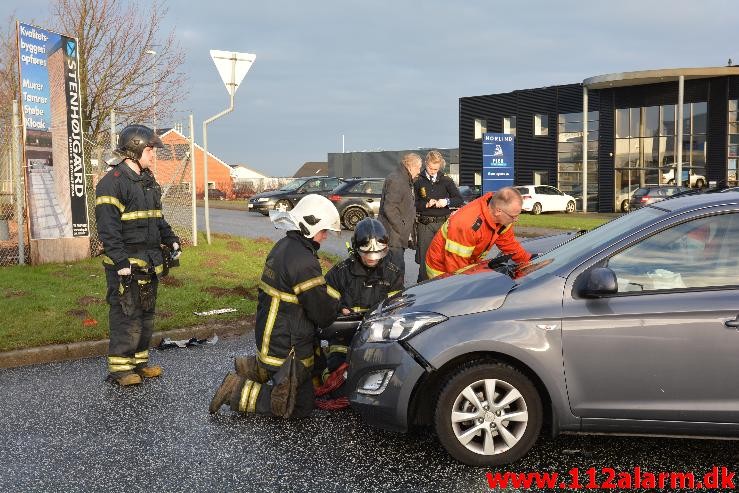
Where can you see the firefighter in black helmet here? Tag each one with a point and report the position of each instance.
(365, 278)
(130, 224)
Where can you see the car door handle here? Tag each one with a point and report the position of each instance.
(733, 323)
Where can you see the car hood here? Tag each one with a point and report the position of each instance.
(478, 289)
(273, 193)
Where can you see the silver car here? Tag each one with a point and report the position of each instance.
(629, 328)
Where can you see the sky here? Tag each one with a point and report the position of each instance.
(388, 74)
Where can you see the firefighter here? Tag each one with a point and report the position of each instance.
(130, 224)
(435, 194)
(363, 279)
(469, 234)
(293, 301)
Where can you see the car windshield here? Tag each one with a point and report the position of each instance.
(293, 185)
(592, 241)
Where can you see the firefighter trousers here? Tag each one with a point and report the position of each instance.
(129, 335)
(255, 397)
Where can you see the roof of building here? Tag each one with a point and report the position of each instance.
(623, 79)
(312, 168)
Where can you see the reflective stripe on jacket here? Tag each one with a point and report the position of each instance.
(467, 237)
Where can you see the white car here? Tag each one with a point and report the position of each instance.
(543, 198)
(690, 178)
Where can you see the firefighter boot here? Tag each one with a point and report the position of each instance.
(149, 371)
(223, 393)
(127, 379)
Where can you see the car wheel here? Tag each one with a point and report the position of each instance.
(488, 414)
(536, 210)
(671, 182)
(352, 216)
(625, 205)
(699, 183)
(283, 205)
(570, 207)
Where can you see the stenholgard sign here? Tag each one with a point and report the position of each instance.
(54, 151)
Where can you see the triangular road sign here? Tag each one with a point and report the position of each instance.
(232, 66)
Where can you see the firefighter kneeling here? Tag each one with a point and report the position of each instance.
(293, 301)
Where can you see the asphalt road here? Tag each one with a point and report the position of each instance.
(65, 429)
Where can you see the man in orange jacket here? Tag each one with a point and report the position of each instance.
(469, 234)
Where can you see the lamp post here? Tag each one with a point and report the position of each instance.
(156, 97)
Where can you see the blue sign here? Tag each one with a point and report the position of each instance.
(497, 161)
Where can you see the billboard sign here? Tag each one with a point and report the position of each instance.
(497, 161)
(52, 115)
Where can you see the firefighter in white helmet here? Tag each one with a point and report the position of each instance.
(293, 301)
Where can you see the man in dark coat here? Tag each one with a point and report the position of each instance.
(398, 209)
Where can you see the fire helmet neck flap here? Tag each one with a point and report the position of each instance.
(311, 215)
(370, 241)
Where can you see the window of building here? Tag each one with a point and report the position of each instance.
(570, 154)
(646, 143)
(481, 127)
(509, 125)
(733, 149)
(541, 125)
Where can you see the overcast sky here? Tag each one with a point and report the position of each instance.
(389, 74)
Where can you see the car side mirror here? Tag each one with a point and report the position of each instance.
(599, 282)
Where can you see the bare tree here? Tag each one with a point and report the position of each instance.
(118, 68)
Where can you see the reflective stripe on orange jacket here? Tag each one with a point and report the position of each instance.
(467, 237)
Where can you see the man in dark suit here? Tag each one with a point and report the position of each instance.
(398, 208)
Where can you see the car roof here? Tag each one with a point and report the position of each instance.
(697, 201)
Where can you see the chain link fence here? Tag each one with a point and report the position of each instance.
(173, 172)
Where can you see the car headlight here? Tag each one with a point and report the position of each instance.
(263, 199)
(399, 327)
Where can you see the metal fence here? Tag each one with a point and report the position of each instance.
(176, 200)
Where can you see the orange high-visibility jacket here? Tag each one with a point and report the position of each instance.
(467, 236)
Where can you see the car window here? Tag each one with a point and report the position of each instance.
(372, 187)
(358, 187)
(523, 190)
(311, 186)
(694, 254)
(330, 183)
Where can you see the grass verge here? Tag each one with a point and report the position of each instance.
(564, 221)
(57, 303)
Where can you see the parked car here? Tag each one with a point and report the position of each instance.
(357, 198)
(543, 198)
(653, 193)
(630, 328)
(287, 196)
(470, 192)
(689, 178)
(215, 194)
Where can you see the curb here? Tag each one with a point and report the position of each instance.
(93, 349)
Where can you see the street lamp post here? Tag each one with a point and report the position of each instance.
(156, 97)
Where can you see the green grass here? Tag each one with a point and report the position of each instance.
(564, 221)
(236, 205)
(47, 304)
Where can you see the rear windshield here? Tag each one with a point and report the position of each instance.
(522, 190)
(641, 191)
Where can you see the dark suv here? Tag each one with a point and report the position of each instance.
(287, 196)
(651, 194)
(356, 199)
(630, 328)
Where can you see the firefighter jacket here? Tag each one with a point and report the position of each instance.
(467, 237)
(362, 287)
(130, 224)
(293, 301)
(442, 187)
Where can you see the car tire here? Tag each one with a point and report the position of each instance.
(625, 205)
(283, 205)
(352, 216)
(671, 182)
(699, 183)
(536, 210)
(570, 207)
(478, 441)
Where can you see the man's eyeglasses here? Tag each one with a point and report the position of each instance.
(513, 218)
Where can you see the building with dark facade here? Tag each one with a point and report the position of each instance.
(379, 164)
(643, 128)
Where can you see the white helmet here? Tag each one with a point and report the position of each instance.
(312, 214)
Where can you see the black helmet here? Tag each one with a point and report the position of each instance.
(134, 138)
(370, 239)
